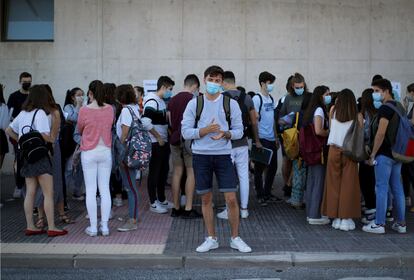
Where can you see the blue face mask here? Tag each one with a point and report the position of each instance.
(299, 91)
(212, 88)
(167, 95)
(327, 99)
(376, 96)
(377, 104)
(269, 87)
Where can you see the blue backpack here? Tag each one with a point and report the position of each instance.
(403, 147)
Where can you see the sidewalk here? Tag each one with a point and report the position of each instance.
(278, 235)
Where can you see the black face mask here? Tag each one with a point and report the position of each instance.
(26, 86)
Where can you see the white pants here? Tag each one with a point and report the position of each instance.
(240, 157)
(96, 165)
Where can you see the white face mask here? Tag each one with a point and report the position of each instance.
(79, 99)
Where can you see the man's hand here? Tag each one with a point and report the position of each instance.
(221, 135)
(211, 128)
(161, 142)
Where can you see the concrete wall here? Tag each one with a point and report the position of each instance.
(333, 42)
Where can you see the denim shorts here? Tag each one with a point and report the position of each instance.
(205, 166)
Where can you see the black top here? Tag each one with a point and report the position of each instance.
(16, 101)
(393, 118)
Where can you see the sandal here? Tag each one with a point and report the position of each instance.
(41, 223)
(65, 219)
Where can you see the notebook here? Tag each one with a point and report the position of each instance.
(263, 155)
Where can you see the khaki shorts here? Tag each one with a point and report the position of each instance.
(181, 157)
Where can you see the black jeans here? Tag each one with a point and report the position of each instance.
(158, 172)
(407, 172)
(367, 184)
(265, 191)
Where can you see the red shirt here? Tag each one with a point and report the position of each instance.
(177, 106)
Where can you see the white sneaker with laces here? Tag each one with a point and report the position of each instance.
(223, 215)
(336, 223)
(347, 225)
(104, 229)
(157, 208)
(17, 193)
(166, 204)
(209, 244)
(399, 228)
(244, 213)
(238, 244)
(90, 232)
(374, 228)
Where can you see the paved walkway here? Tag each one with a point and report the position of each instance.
(274, 229)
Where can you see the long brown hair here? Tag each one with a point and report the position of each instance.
(346, 107)
(96, 87)
(38, 99)
(367, 103)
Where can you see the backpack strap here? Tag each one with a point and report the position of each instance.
(260, 106)
(152, 99)
(297, 119)
(33, 119)
(134, 116)
(199, 109)
(395, 109)
(226, 106)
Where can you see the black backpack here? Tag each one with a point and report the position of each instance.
(247, 126)
(261, 105)
(32, 145)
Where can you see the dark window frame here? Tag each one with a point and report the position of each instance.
(4, 22)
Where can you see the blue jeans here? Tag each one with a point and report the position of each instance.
(130, 185)
(388, 175)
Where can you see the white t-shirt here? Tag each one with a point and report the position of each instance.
(4, 116)
(267, 117)
(338, 132)
(125, 118)
(319, 112)
(24, 120)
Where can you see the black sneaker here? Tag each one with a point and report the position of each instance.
(272, 198)
(176, 212)
(390, 217)
(262, 202)
(191, 214)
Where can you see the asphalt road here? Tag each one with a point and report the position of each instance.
(207, 274)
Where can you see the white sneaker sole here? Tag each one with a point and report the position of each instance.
(158, 211)
(205, 251)
(375, 232)
(238, 249)
(318, 222)
(90, 233)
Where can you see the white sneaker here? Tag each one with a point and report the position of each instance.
(223, 215)
(183, 200)
(157, 208)
(104, 230)
(166, 204)
(118, 202)
(244, 213)
(238, 244)
(17, 193)
(320, 221)
(336, 223)
(91, 232)
(399, 228)
(368, 216)
(347, 225)
(373, 228)
(209, 244)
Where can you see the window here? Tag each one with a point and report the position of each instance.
(27, 20)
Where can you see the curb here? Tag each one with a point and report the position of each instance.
(277, 260)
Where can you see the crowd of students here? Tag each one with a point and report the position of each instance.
(206, 134)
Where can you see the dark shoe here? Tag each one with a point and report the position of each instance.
(54, 233)
(287, 191)
(176, 212)
(29, 232)
(390, 217)
(35, 211)
(191, 214)
(273, 199)
(262, 202)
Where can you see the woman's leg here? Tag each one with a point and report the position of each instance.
(90, 166)
(46, 183)
(129, 182)
(398, 192)
(104, 174)
(31, 186)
